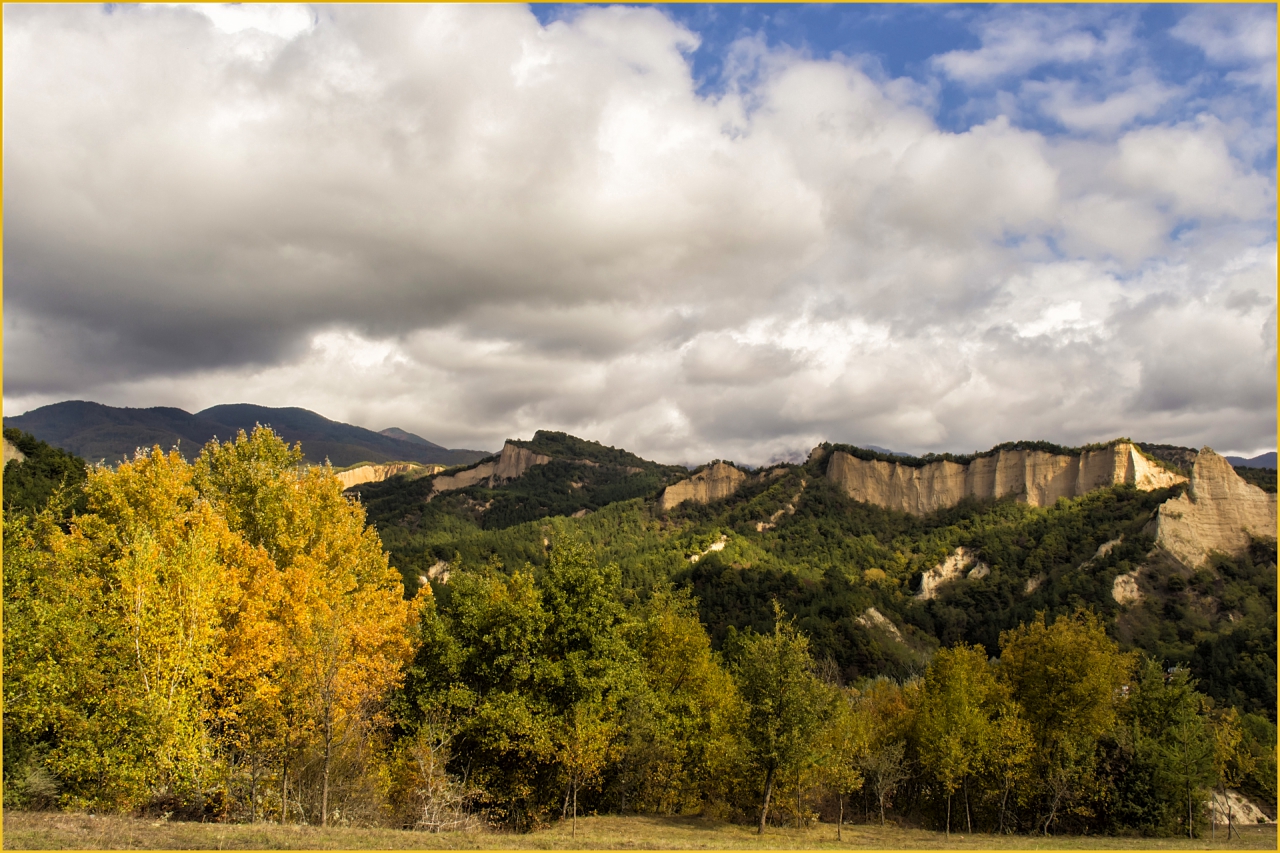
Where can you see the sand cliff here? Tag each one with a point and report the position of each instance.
(1034, 476)
(378, 473)
(1218, 512)
(713, 483)
(511, 463)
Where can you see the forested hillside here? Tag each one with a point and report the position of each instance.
(225, 639)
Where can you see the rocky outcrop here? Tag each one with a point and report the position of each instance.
(1236, 808)
(12, 452)
(717, 545)
(378, 473)
(713, 483)
(1124, 589)
(963, 562)
(1033, 476)
(510, 464)
(872, 618)
(1218, 512)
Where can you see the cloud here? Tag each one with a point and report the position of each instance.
(459, 221)
(1016, 42)
(1241, 37)
(1067, 102)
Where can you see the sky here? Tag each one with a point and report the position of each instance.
(693, 231)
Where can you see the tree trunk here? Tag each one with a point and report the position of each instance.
(840, 822)
(768, 792)
(1004, 801)
(284, 791)
(324, 789)
(948, 815)
(253, 793)
(968, 817)
(1190, 816)
(575, 806)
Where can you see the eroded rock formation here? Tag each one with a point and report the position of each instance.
(11, 451)
(963, 562)
(872, 618)
(713, 483)
(1218, 512)
(1034, 476)
(1124, 589)
(378, 473)
(511, 463)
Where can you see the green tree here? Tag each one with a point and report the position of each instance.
(30, 483)
(1065, 676)
(786, 703)
(683, 730)
(845, 745)
(957, 720)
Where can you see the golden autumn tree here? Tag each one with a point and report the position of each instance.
(229, 626)
(333, 638)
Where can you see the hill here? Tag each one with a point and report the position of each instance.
(97, 432)
(1264, 460)
(853, 573)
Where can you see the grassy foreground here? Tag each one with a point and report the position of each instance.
(56, 830)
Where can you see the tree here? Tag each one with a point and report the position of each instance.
(1232, 761)
(150, 568)
(890, 713)
(786, 703)
(1065, 676)
(957, 720)
(683, 729)
(1010, 756)
(845, 745)
(342, 616)
(583, 746)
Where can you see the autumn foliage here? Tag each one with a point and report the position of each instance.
(217, 638)
(224, 639)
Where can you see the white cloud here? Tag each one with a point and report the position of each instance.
(1141, 96)
(1016, 41)
(1236, 34)
(455, 220)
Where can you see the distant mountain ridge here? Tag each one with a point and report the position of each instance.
(96, 432)
(1264, 460)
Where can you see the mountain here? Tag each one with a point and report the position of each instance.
(396, 432)
(883, 559)
(97, 432)
(1265, 460)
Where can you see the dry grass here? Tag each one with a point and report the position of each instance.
(51, 831)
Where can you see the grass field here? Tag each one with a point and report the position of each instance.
(53, 831)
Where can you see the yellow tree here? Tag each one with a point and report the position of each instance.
(890, 714)
(1232, 762)
(341, 614)
(340, 618)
